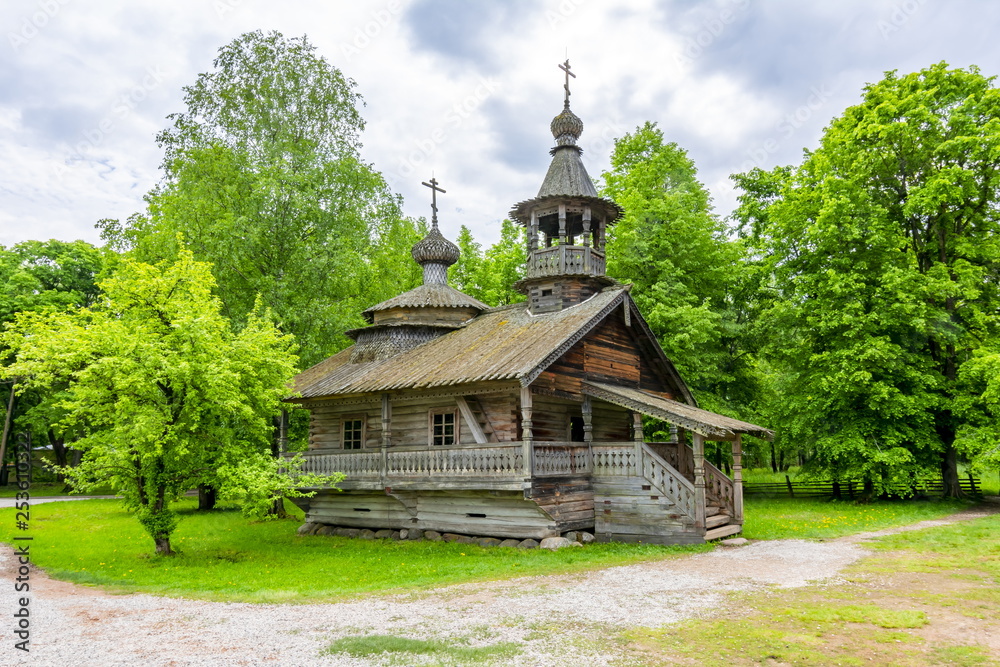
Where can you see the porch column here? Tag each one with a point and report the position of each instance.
(386, 436)
(637, 437)
(526, 435)
(533, 232)
(562, 224)
(588, 431)
(738, 480)
(699, 480)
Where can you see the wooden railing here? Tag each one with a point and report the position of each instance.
(668, 481)
(561, 460)
(500, 461)
(496, 462)
(626, 460)
(618, 460)
(565, 259)
(719, 489)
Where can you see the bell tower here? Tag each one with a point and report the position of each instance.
(566, 223)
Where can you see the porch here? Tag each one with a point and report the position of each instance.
(628, 491)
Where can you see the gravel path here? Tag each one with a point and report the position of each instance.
(555, 619)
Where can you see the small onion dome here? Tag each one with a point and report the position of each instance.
(566, 127)
(435, 249)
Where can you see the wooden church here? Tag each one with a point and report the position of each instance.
(522, 421)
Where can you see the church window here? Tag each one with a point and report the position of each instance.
(353, 432)
(443, 427)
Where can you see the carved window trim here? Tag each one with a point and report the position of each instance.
(437, 429)
(352, 434)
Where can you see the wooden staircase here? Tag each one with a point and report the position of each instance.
(717, 523)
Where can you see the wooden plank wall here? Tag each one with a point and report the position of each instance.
(409, 420)
(570, 502)
(324, 424)
(626, 509)
(612, 423)
(609, 353)
(485, 513)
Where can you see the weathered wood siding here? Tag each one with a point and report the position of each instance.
(609, 353)
(495, 514)
(612, 423)
(570, 502)
(627, 509)
(325, 427)
(496, 413)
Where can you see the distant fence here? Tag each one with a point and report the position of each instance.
(852, 489)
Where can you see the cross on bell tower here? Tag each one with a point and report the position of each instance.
(433, 185)
(565, 67)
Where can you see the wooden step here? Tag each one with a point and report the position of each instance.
(723, 531)
(712, 510)
(715, 521)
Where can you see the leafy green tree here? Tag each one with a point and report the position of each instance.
(882, 249)
(164, 393)
(264, 179)
(684, 268)
(43, 276)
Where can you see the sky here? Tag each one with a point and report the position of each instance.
(461, 89)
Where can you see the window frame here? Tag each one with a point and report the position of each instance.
(456, 435)
(343, 431)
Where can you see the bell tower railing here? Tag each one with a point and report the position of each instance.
(562, 260)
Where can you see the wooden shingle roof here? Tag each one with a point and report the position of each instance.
(711, 425)
(506, 343)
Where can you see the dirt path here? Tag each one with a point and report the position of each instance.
(555, 619)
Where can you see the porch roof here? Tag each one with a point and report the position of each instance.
(709, 424)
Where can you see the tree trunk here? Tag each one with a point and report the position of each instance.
(774, 459)
(6, 426)
(207, 497)
(949, 473)
(163, 545)
(278, 445)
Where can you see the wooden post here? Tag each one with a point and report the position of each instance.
(533, 232)
(788, 483)
(588, 430)
(386, 436)
(562, 224)
(638, 438)
(526, 435)
(586, 227)
(738, 480)
(699, 481)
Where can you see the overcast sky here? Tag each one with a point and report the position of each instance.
(464, 89)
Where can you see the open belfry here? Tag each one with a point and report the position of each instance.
(521, 421)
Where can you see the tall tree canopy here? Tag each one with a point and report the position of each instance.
(43, 276)
(683, 266)
(263, 178)
(882, 248)
(163, 392)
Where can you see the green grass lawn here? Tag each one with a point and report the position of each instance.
(223, 556)
(46, 489)
(819, 518)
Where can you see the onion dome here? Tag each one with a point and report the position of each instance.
(566, 127)
(436, 249)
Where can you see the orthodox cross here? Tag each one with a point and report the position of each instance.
(565, 67)
(433, 185)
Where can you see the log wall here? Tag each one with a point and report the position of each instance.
(495, 514)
